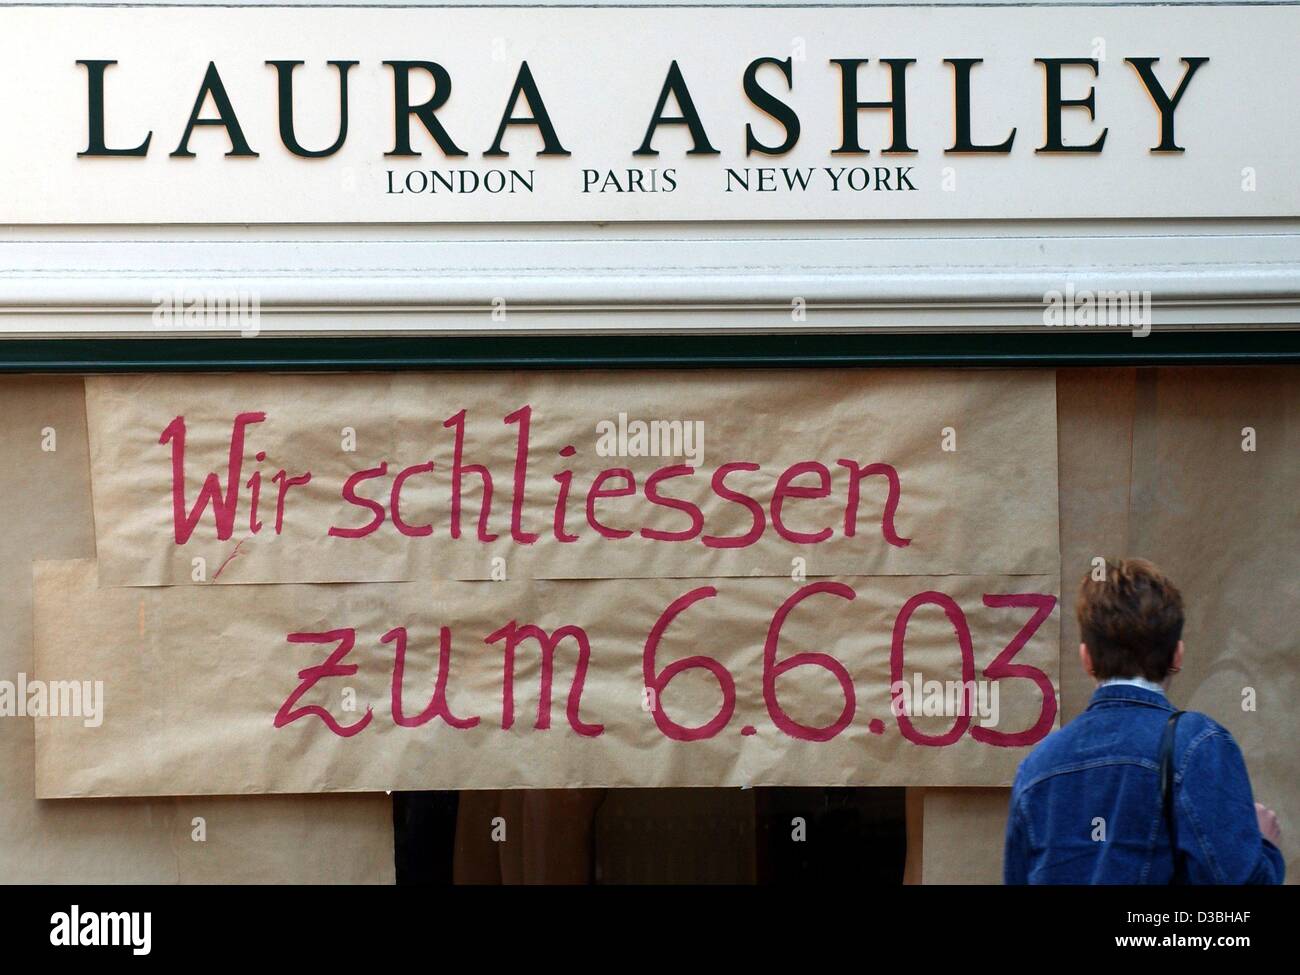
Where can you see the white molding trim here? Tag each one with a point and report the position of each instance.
(646, 3)
(624, 279)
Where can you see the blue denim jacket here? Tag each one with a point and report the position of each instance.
(1101, 772)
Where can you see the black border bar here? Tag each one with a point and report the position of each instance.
(843, 924)
(335, 353)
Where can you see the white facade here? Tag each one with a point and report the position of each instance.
(703, 275)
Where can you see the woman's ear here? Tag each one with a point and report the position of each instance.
(1178, 658)
(1085, 658)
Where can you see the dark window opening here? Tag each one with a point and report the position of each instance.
(651, 836)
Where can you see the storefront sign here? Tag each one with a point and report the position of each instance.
(428, 115)
(485, 581)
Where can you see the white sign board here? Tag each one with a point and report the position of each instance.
(160, 115)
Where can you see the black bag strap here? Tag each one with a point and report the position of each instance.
(1167, 794)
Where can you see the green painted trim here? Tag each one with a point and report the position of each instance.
(1054, 348)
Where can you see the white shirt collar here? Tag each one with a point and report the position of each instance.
(1135, 681)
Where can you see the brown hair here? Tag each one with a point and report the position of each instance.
(1131, 621)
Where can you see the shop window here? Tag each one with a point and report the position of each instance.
(635, 836)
